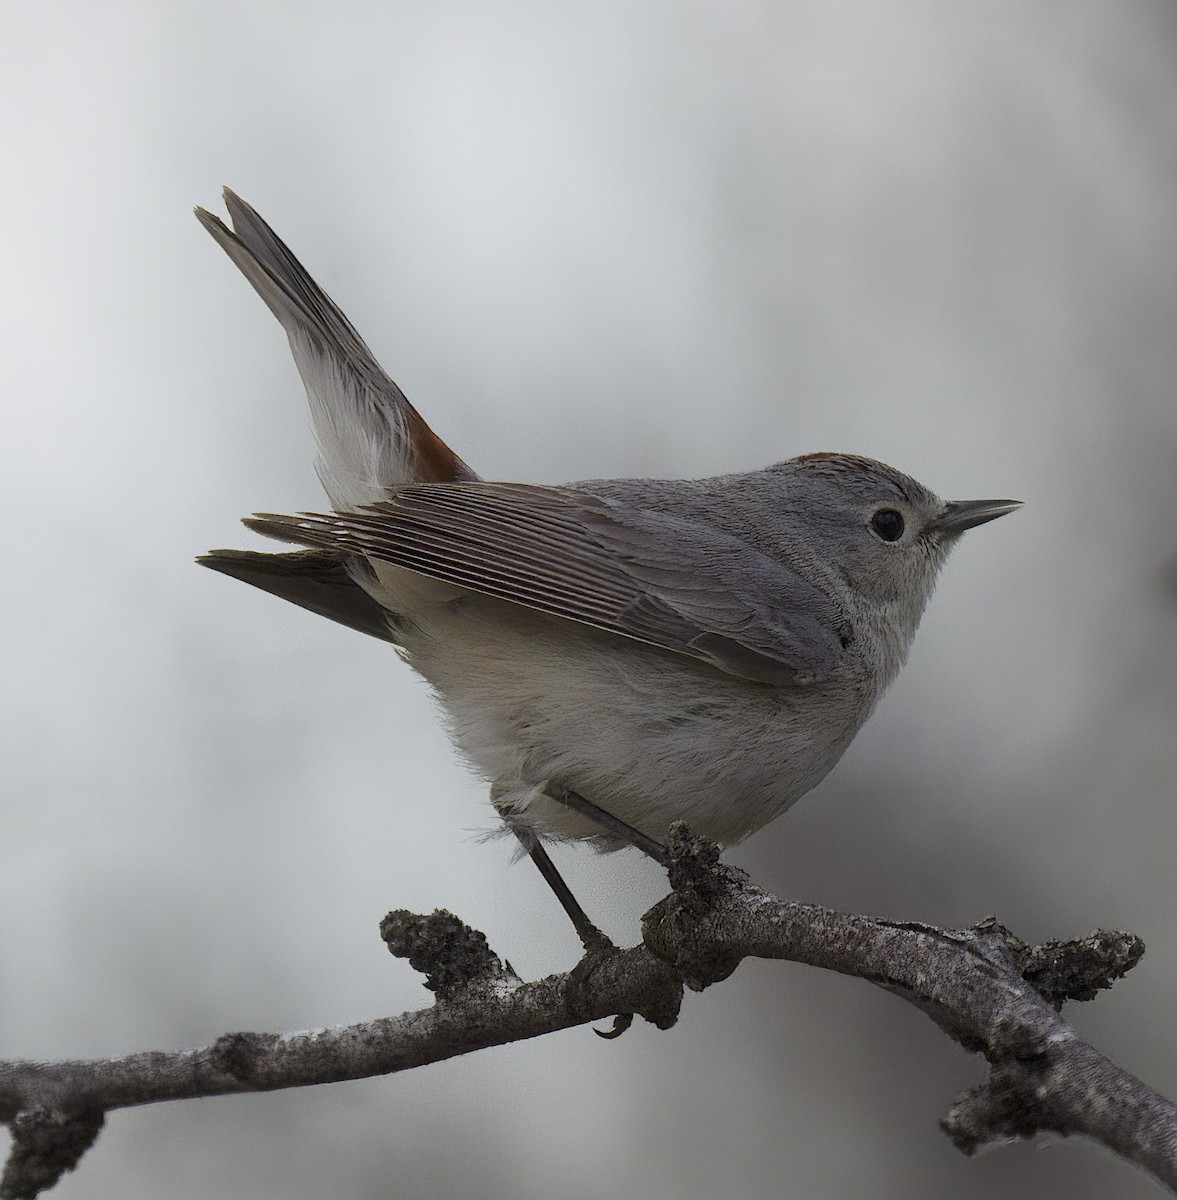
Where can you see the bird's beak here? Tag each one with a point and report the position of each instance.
(959, 515)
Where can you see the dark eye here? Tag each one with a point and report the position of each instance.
(888, 524)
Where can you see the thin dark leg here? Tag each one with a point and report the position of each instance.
(611, 824)
(590, 936)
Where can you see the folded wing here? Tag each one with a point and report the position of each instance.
(637, 573)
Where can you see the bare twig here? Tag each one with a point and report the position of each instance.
(989, 991)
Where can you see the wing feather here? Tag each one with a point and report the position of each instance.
(673, 582)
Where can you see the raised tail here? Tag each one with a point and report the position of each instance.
(371, 439)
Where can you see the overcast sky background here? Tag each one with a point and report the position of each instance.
(620, 238)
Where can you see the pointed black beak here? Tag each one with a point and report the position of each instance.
(959, 515)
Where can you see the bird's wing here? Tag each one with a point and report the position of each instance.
(634, 572)
(318, 580)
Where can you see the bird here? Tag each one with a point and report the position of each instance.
(611, 655)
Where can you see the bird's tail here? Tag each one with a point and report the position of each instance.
(371, 439)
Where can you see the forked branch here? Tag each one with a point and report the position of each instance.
(986, 989)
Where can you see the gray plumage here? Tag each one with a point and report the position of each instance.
(318, 581)
(635, 571)
(701, 650)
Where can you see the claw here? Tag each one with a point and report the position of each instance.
(621, 1023)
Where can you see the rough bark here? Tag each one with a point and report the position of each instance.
(989, 991)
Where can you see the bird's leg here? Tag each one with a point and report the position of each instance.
(611, 824)
(593, 940)
(596, 944)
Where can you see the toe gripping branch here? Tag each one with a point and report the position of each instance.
(647, 979)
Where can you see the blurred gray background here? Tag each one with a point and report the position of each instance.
(619, 238)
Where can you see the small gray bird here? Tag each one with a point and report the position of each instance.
(649, 650)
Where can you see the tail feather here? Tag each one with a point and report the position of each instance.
(371, 439)
(318, 580)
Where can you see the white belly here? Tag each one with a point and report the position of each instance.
(650, 736)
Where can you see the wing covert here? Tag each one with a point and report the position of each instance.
(639, 573)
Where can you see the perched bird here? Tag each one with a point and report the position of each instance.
(616, 654)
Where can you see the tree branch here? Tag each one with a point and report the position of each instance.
(985, 988)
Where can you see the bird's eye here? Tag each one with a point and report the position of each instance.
(888, 524)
